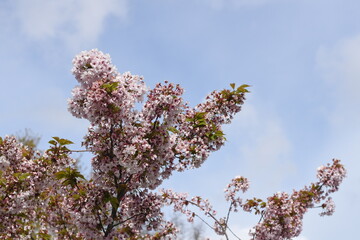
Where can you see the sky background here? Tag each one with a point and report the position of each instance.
(301, 58)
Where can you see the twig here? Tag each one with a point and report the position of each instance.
(79, 151)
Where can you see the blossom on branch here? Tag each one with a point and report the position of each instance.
(138, 137)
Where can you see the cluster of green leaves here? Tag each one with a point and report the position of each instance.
(229, 94)
(215, 133)
(60, 141)
(241, 89)
(110, 87)
(308, 196)
(173, 129)
(58, 147)
(113, 108)
(199, 119)
(70, 176)
(2, 179)
(256, 204)
(21, 176)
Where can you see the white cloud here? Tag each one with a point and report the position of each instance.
(264, 149)
(340, 65)
(71, 21)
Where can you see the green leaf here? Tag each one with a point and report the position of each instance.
(76, 196)
(200, 115)
(192, 149)
(63, 142)
(110, 87)
(200, 123)
(82, 192)
(60, 175)
(113, 107)
(242, 88)
(173, 130)
(21, 176)
(2, 181)
(232, 85)
(52, 142)
(45, 236)
(69, 175)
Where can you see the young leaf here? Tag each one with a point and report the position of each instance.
(63, 142)
(110, 87)
(242, 88)
(21, 176)
(173, 130)
(69, 175)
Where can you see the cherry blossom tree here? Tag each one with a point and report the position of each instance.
(44, 196)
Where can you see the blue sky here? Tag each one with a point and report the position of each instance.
(302, 59)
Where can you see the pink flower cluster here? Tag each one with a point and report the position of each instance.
(329, 207)
(282, 218)
(281, 215)
(137, 148)
(237, 184)
(26, 182)
(138, 138)
(331, 176)
(90, 66)
(182, 204)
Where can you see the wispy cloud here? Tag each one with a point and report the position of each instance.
(70, 21)
(264, 149)
(340, 67)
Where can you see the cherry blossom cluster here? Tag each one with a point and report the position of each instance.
(182, 204)
(282, 217)
(237, 184)
(91, 65)
(138, 137)
(329, 207)
(29, 191)
(134, 148)
(332, 175)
